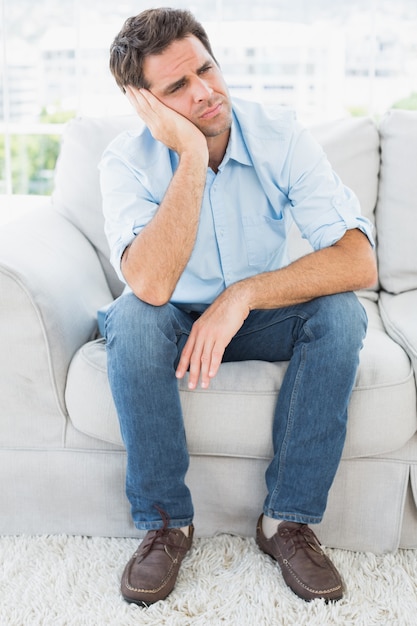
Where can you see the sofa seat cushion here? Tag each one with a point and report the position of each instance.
(234, 416)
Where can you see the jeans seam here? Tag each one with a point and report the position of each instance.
(290, 424)
(251, 331)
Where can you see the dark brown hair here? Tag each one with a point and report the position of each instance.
(150, 32)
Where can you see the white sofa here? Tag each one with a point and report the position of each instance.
(62, 461)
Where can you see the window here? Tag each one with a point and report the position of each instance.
(326, 58)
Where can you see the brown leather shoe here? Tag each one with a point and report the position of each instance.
(305, 567)
(151, 573)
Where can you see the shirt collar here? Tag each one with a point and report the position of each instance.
(236, 147)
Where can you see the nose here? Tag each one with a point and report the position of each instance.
(202, 90)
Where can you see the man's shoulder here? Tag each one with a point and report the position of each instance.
(137, 146)
(262, 120)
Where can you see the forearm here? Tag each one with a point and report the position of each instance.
(348, 265)
(156, 258)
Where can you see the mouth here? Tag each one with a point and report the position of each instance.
(212, 112)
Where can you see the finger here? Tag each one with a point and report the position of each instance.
(135, 98)
(147, 98)
(195, 366)
(130, 95)
(206, 365)
(216, 359)
(184, 361)
(210, 363)
(141, 101)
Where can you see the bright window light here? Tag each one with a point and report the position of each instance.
(327, 59)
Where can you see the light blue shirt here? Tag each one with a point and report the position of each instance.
(273, 172)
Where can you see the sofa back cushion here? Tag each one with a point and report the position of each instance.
(396, 214)
(77, 193)
(352, 146)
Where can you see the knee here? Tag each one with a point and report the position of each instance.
(129, 319)
(344, 319)
(122, 316)
(350, 315)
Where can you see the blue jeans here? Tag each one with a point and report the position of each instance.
(321, 339)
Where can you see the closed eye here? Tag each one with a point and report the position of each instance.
(182, 82)
(177, 86)
(205, 69)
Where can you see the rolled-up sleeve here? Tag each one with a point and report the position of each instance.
(321, 205)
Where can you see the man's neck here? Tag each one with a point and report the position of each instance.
(217, 149)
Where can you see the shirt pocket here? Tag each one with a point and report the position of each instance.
(264, 236)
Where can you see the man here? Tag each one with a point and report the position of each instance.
(197, 208)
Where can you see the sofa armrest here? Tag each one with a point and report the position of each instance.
(398, 313)
(51, 285)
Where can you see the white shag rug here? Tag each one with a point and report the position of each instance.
(224, 580)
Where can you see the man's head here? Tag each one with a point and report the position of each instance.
(167, 52)
(150, 33)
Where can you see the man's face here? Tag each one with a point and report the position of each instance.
(186, 79)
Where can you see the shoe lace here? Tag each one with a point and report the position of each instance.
(300, 534)
(160, 538)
